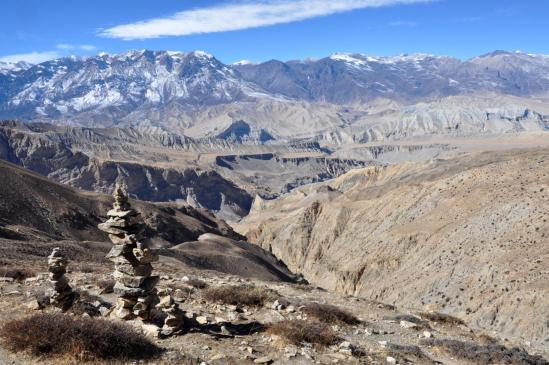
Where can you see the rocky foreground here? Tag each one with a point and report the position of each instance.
(467, 236)
(219, 330)
(426, 263)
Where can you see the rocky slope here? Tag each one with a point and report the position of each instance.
(468, 236)
(47, 154)
(269, 175)
(37, 214)
(33, 207)
(217, 174)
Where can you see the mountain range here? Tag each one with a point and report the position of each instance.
(410, 190)
(330, 99)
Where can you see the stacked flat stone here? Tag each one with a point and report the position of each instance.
(173, 315)
(60, 294)
(132, 261)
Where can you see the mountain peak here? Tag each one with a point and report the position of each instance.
(202, 54)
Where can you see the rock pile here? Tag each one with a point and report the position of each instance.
(173, 316)
(134, 283)
(61, 294)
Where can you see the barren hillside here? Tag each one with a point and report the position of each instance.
(468, 236)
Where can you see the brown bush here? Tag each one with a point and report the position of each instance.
(441, 318)
(106, 286)
(86, 269)
(239, 295)
(85, 339)
(197, 283)
(299, 331)
(18, 274)
(407, 354)
(329, 314)
(485, 354)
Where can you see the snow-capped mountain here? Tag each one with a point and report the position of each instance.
(347, 78)
(196, 94)
(121, 83)
(8, 68)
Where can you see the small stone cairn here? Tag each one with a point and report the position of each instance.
(173, 316)
(61, 294)
(134, 283)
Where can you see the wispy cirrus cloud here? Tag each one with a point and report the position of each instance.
(83, 47)
(61, 50)
(240, 15)
(31, 57)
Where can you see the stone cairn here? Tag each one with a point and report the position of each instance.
(132, 262)
(61, 294)
(134, 283)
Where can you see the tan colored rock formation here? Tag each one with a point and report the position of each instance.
(60, 294)
(132, 260)
(468, 236)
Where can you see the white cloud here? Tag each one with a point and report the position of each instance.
(83, 47)
(240, 15)
(64, 46)
(87, 47)
(33, 57)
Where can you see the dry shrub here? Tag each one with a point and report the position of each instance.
(304, 287)
(106, 286)
(485, 339)
(18, 274)
(197, 283)
(407, 354)
(441, 318)
(299, 331)
(485, 354)
(85, 339)
(86, 269)
(239, 295)
(329, 314)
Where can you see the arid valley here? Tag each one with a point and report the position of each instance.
(317, 207)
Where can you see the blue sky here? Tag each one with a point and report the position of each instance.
(232, 30)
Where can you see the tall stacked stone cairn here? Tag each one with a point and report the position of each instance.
(134, 284)
(60, 294)
(132, 262)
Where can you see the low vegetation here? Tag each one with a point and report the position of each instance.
(19, 274)
(106, 286)
(82, 339)
(441, 318)
(239, 295)
(197, 283)
(484, 354)
(300, 331)
(420, 323)
(407, 354)
(329, 314)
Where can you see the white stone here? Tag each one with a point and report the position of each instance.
(345, 345)
(263, 360)
(407, 324)
(34, 305)
(202, 319)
